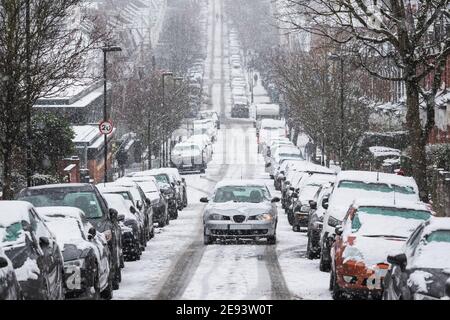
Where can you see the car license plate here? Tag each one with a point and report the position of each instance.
(239, 226)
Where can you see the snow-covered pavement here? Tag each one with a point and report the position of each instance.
(176, 263)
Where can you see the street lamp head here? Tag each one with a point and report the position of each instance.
(111, 49)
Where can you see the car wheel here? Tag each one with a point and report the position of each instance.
(117, 279)
(336, 292)
(207, 239)
(185, 201)
(108, 293)
(324, 266)
(272, 240)
(122, 260)
(174, 214)
(152, 233)
(290, 217)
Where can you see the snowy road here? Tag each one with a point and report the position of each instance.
(177, 265)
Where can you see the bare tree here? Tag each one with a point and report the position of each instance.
(412, 34)
(46, 61)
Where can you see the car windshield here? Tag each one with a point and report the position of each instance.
(384, 221)
(124, 194)
(252, 194)
(186, 148)
(83, 200)
(379, 187)
(162, 179)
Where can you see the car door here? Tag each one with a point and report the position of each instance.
(51, 254)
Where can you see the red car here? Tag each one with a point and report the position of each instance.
(369, 233)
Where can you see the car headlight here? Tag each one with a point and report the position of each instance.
(421, 296)
(215, 216)
(264, 217)
(333, 222)
(75, 263)
(108, 235)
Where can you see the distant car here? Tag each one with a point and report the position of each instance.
(370, 231)
(166, 186)
(315, 222)
(360, 185)
(307, 189)
(86, 256)
(190, 156)
(180, 186)
(240, 209)
(128, 194)
(127, 213)
(33, 250)
(9, 286)
(421, 270)
(141, 203)
(209, 114)
(158, 201)
(87, 198)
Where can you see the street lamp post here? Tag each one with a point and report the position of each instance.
(164, 151)
(340, 58)
(106, 49)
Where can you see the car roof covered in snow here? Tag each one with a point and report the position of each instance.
(77, 186)
(305, 166)
(272, 123)
(389, 203)
(374, 177)
(14, 211)
(378, 151)
(112, 188)
(437, 223)
(244, 182)
(151, 172)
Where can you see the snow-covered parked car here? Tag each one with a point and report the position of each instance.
(240, 209)
(210, 114)
(205, 126)
(9, 286)
(166, 186)
(279, 154)
(87, 198)
(141, 203)
(204, 142)
(189, 156)
(370, 231)
(421, 271)
(159, 203)
(315, 221)
(33, 251)
(360, 185)
(132, 242)
(301, 206)
(86, 255)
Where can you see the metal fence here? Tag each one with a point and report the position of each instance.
(441, 192)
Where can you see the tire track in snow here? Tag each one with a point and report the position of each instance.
(280, 289)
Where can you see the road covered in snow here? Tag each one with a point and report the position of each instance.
(177, 265)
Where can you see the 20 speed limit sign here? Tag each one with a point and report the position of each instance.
(106, 127)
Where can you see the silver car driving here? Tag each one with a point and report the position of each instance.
(240, 209)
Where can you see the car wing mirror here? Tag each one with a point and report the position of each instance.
(268, 165)
(339, 230)
(139, 204)
(113, 214)
(148, 201)
(92, 233)
(132, 210)
(3, 262)
(204, 200)
(44, 241)
(325, 204)
(183, 180)
(399, 260)
(313, 204)
(292, 188)
(26, 226)
(275, 200)
(121, 217)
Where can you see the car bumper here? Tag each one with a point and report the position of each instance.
(239, 230)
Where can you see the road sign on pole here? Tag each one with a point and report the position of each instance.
(106, 127)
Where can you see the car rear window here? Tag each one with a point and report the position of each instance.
(378, 187)
(439, 236)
